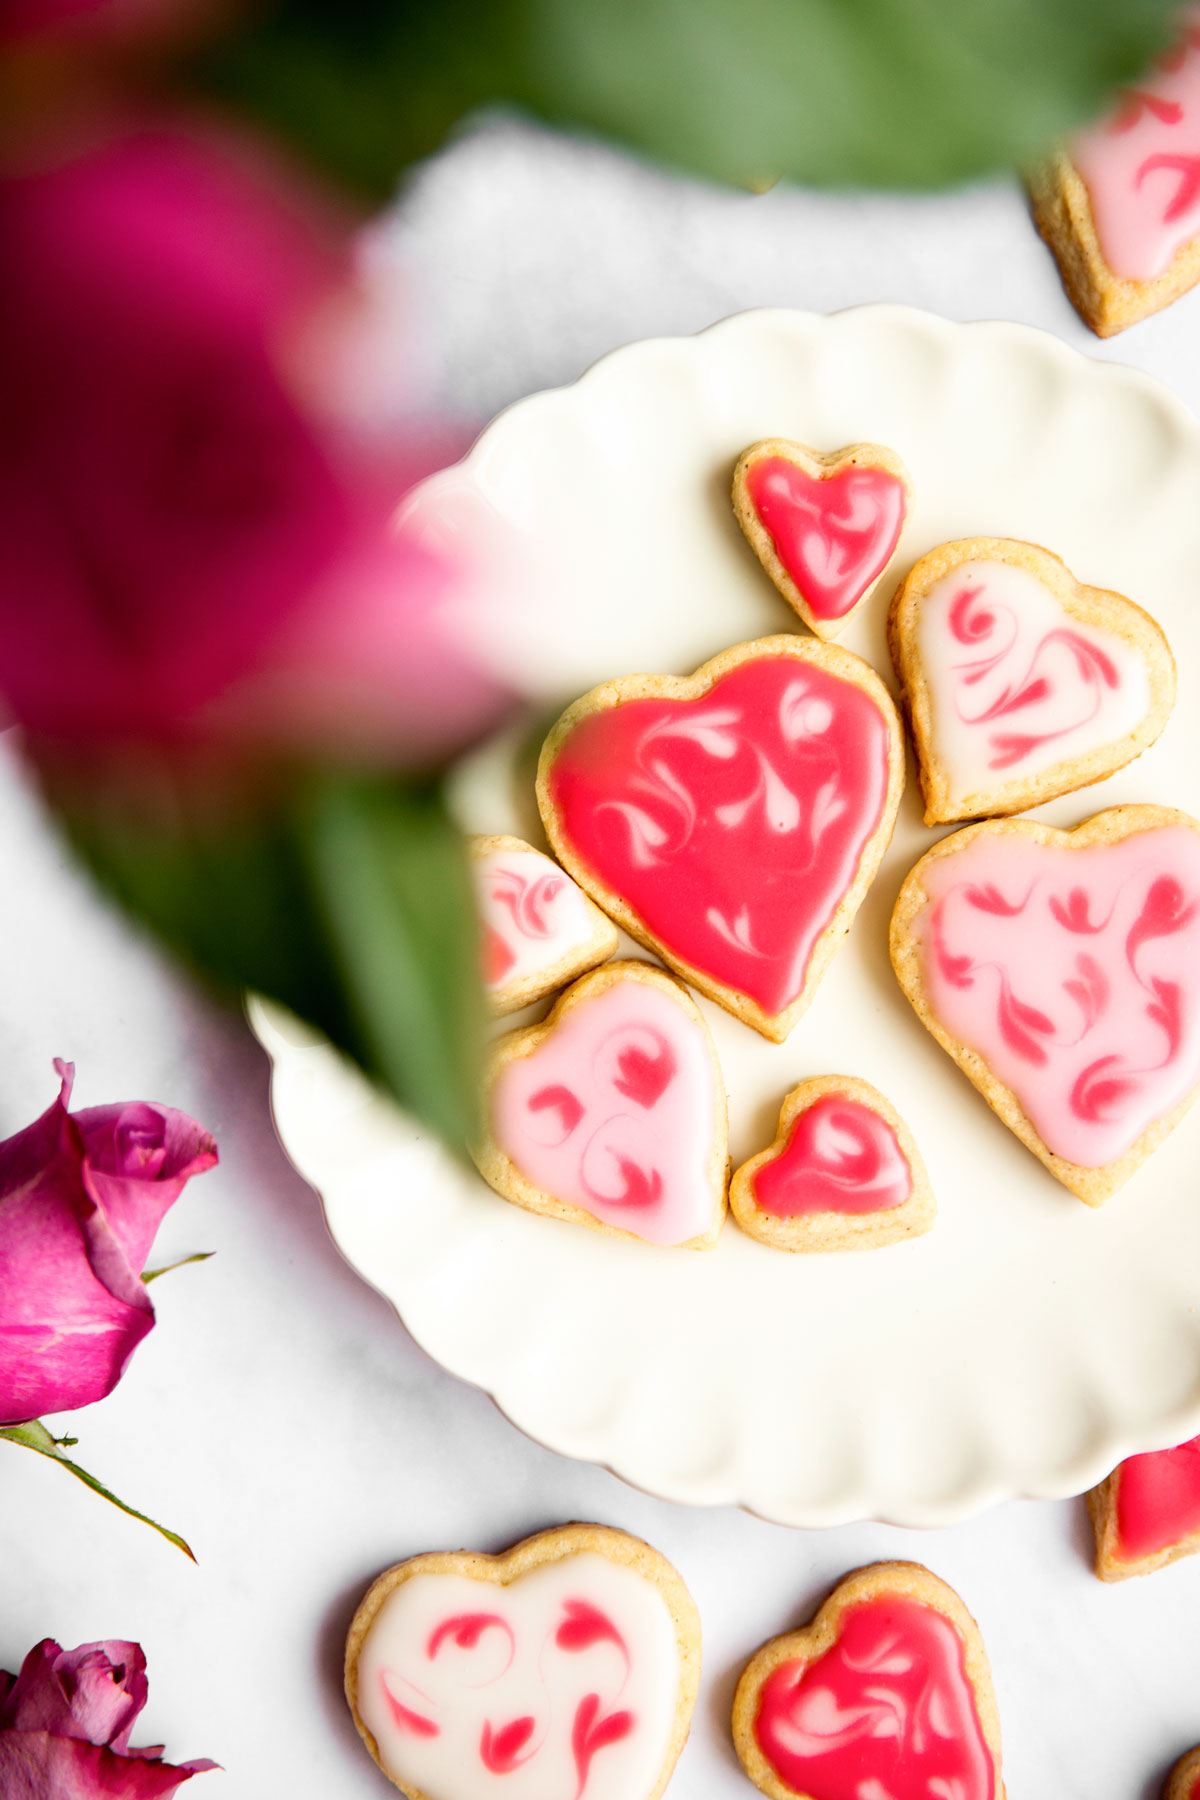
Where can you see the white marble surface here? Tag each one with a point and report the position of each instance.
(279, 1416)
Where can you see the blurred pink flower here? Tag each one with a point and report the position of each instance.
(195, 549)
(81, 1197)
(65, 1722)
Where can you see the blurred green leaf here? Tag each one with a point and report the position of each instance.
(33, 1435)
(890, 93)
(345, 896)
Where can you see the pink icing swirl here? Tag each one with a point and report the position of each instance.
(887, 1713)
(840, 1156)
(833, 534)
(733, 824)
(1075, 974)
(1142, 165)
(615, 1112)
(531, 912)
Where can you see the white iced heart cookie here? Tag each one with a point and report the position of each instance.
(539, 928)
(611, 1113)
(567, 1667)
(1020, 683)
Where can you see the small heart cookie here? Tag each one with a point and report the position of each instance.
(886, 1695)
(1183, 1783)
(568, 1666)
(731, 820)
(611, 1113)
(842, 1174)
(539, 929)
(1147, 1512)
(824, 526)
(1061, 971)
(1020, 683)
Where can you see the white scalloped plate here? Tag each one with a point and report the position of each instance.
(1028, 1342)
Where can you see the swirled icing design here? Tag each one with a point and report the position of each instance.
(833, 534)
(1157, 1500)
(616, 1111)
(1141, 166)
(840, 1156)
(733, 824)
(1016, 685)
(886, 1713)
(1075, 974)
(531, 912)
(562, 1685)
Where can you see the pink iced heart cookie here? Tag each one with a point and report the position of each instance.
(1061, 971)
(1020, 683)
(611, 1113)
(886, 1695)
(1147, 1512)
(842, 1174)
(568, 1666)
(823, 526)
(731, 820)
(1120, 204)
(539, 929)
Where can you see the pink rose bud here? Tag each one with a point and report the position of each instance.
(81, 1197)
(65, 1722)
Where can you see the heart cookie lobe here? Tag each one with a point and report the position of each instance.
(539, 928)
(567, 1666)
(886, 1693)
(1061, 971)
(611, 1113)
(823, 525)
(1146, 1514)
(732, 820)
(842, 1174)
(1020, 683)
(1183, 1783)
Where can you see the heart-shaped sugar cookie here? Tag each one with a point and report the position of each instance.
(1019, 682)
(886, 1694)
(842, 1174)
(568, 1666)
(539, 930)
(1061, 971)
(1147, 1512)
(824, 526)
(731, 820)
(611, 1113)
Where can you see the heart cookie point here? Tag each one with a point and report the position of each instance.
(887, 1691)
(611, 1113)
(1020, 683)
(570, 1665)
(824, 526)
(842, 1174)
(1061, 971)
(732, 820)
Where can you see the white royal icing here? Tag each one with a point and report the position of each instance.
(563, 1685)
(536, 911)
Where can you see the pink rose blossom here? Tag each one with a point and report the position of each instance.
(196, 545)
(81, 1197)
(65, 1722)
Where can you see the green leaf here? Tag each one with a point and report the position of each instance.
(884, 93)
(345, 896)
(149, 1275)
(33, 1435)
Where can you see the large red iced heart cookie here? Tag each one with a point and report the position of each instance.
(567, 1667)
(887, 1693)
(731, 821)
(1061, 970)
(823, 526)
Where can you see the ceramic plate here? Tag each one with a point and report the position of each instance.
(1028, 1342)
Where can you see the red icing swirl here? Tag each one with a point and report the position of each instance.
(733, 824)
(887, 1712)
(1158, 1500)
(840, 1156)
